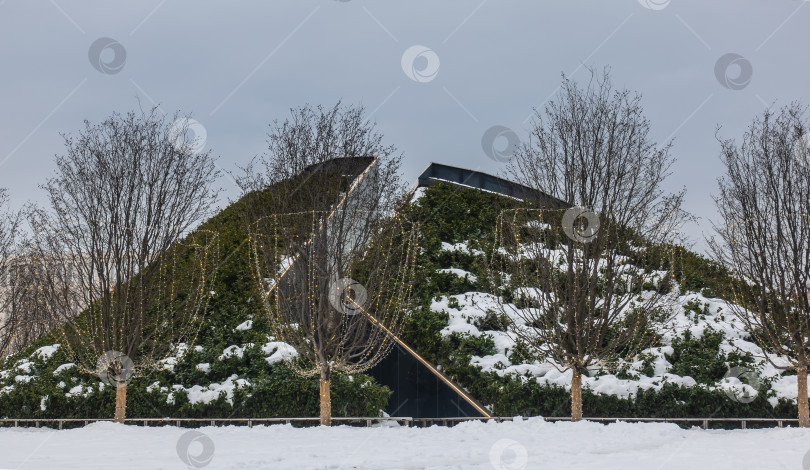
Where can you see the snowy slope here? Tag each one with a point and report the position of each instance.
(529, 444)
(693, 313)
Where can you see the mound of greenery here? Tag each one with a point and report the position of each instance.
(29, 388)
(234, 365)
(451, 215)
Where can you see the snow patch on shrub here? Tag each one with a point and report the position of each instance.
(45, 352)
(278, 352)
(63, 368)
(460, 248)
(460, 273)
(207, 394)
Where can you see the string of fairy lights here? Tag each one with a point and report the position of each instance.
(113, 318)
(523, 230)
(782, 324)
(389, 283)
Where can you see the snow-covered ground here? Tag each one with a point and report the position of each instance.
(527, 444)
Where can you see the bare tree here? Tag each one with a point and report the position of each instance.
(307, 264)
(26, 315)
(321, 213)
(581, 273)
(10, 322)
(26, 307)
(764, 237)
(123, 275)
(313, 155)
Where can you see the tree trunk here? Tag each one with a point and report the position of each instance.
(326, 398)
(120, 402)
(576, 396)
(804, 411)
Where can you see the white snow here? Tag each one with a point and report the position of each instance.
(45, 352)
(531, 444)
(417, 194)
(169, 363)
(80, 391)
(460, 273)
(470, 307)
(63, 367)
(278, 352)
(209, 393)
(245, 325)
(284, 264)
(25, 365)
(460, 248)
(234, 351)
(538, 225)
(180, 349)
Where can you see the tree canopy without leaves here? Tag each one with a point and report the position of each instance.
(124, 277)
(581, 273)
(14, 325)
(298, 149)
(764, 237)
(334, 262)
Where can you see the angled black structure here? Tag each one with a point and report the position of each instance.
(420, 390)
(440, 173)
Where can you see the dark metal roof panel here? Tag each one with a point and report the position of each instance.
(437, 172)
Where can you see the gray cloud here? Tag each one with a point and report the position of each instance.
(237, 66)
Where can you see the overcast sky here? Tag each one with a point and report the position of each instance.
(435, 74)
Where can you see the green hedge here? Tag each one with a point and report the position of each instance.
(275, 391)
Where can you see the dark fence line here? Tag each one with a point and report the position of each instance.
(367, 421)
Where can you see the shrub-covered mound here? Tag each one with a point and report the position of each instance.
(234, 369)
(459, 326)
